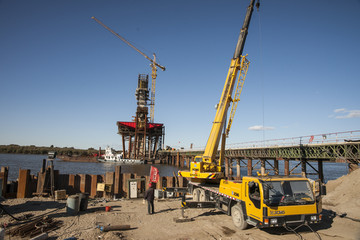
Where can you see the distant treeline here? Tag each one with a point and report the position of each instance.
(32, 149)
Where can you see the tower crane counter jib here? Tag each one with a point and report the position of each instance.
(206, 166)
(153, 65)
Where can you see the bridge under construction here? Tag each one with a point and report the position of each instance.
(308, 152)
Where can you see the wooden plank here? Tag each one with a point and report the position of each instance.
(117, 183)
(147, 181)
(93, 185)
(71, 189)
(40, 183)
(85, 183)
(5, 173)
(170, 182)
(159, 184)
(23, 183)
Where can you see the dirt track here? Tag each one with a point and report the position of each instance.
(207, 224)
(343, 197)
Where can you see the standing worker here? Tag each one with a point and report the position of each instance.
(149, 197)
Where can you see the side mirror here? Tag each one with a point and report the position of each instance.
(266, 194)
(323, 189)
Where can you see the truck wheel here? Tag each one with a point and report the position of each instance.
(196, 194)
(202, 196)
(238, 217)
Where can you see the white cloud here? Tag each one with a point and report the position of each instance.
(350, 114)
(260, 128)
(343, 113)
(340, 110)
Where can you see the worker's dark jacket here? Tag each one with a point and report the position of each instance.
(149, 195)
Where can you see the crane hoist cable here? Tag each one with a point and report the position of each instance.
(153, 65)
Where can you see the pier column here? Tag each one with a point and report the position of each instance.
(263, 168)
(276, 167)
(286, 167)
(249, 167)
(227, 167)
(320, 170)
(238, 168)
(129, 149)
(178, 159)
(303, 167)
(123, 145)
(230, 168)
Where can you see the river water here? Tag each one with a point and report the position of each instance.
(34, 162)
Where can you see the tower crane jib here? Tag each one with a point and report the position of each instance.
(153, 65)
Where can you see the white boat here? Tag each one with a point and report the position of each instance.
(111, 157)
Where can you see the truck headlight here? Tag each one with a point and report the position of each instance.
(313, 218)
(273, 221)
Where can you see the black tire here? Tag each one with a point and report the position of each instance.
(202, 196)
(196, 194)
(238, 217)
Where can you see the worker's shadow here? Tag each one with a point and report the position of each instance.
(212, 212)
(327, 220)
(166, 210)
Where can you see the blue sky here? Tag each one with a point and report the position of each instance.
(66, 81)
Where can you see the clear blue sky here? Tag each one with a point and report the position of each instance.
(66, 81)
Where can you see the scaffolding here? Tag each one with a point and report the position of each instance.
(141, 139)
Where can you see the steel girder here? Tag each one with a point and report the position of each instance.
(327, 152)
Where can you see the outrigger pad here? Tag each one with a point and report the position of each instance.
(181, 220)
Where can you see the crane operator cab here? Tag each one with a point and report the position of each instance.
(254, 193)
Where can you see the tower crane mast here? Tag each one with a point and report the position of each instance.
(153, 65)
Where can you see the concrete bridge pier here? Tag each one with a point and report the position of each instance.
(303, 167)
(249, 167)
(286, 167)
(262, 168)
(238, 168)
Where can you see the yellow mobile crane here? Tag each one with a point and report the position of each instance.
(153, 65)
(261, 201)
(207, 167)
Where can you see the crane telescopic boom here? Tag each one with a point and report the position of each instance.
(153, 65)
(206, 166)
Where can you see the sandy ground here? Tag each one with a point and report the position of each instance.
(206, 224)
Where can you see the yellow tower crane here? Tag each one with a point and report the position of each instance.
(153, 65)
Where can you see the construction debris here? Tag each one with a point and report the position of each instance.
(35, 227)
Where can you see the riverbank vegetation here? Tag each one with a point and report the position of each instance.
(32, 149)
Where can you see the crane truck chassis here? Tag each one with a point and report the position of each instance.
(261, 201)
